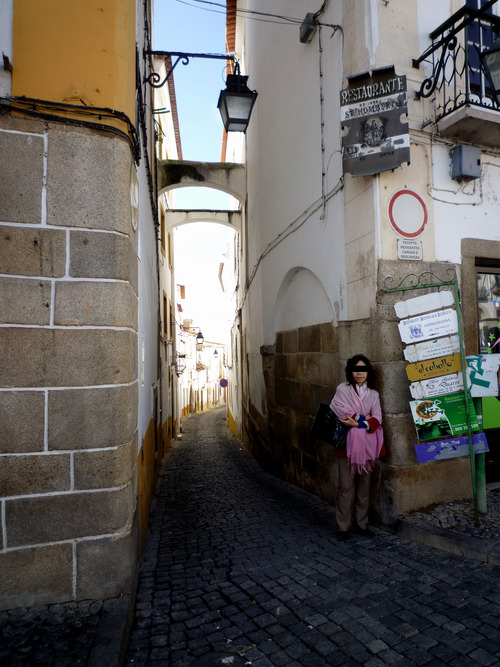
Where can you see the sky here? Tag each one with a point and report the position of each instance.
(205, 302)
(188, 27)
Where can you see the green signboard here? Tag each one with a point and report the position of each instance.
(443, 416)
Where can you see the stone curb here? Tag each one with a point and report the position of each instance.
(113, 631)
(450, 541)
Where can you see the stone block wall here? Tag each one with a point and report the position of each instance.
(300, 371)
(68, 369)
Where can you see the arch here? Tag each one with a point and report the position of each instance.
(176, 218)
(223, 176)
(301, 301)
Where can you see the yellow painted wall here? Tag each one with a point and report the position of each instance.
(76, 51)
(148, 467)
(232, 423)
(146, 479)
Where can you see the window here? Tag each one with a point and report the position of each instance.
(488, 307)
(162, 231)
(488, 303)
(170, 262)
(165, 316)
(480, 35)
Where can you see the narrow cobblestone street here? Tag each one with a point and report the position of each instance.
(241, 568)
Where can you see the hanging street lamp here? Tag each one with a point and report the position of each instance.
(236, 102)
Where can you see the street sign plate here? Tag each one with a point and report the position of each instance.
(431, 368)
(429, 325)
(437, 450)
(443, 416)
(446, 384)
(423, 304)
(483, 374)
(409, 249)
(432, 348)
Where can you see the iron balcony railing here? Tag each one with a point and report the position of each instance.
(459, 77)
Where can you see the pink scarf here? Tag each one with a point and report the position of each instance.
(363, 447)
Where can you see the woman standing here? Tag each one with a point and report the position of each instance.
(357, 404)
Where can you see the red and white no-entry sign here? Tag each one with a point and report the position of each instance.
(407, 214)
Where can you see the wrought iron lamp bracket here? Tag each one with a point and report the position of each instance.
(154, 79)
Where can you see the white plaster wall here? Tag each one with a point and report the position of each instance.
(148, 308)
(147, 341)
(6, 17)
(285, 162)
(301, 286)
(293, 160)
(468, 210)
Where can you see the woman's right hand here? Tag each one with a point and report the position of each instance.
(349, 421)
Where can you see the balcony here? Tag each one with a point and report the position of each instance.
(466, 109)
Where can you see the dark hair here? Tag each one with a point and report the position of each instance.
(370, 380)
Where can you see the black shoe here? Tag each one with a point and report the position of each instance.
(342, 535)
(365, 532)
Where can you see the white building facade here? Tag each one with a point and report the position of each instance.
(358, 177)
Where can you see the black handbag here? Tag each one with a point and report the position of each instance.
(328, 427)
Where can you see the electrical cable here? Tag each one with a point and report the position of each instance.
(51, 111)
(294, 226)
(255, 15)
(242, 11)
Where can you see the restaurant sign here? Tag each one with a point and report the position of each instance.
(444, 384)
(432, 348)
(443, 416)
(374, 137)
(431, 368)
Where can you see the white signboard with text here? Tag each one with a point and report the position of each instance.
(428, 325)
(445, 384)
(432, 348)
(423, 304)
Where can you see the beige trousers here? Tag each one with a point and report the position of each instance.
(352, 486)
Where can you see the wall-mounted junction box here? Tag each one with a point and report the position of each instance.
(465, 162)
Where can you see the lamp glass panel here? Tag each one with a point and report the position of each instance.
(235, 109)
(239, 106)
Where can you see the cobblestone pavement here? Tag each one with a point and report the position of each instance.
(87, 633)
(66, 631)
(242, 568)
(460, 517)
